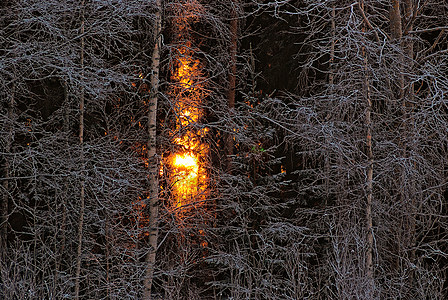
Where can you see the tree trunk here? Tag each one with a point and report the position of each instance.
(81, 142)
(409, 51)
(333, 44)
(153, 163)
(233, 51)
(395, 20)
(406, 94)
(331, 83)
(408, 107)
(369, 181)
(232, 75)
(397, 34)
(65, 195)
(4, 209)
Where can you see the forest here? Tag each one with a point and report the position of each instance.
(224, 149)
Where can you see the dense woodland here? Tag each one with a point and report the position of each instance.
(318, 139)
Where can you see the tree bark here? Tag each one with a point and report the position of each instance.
(396, 35)
(153, 163)
(395, 20)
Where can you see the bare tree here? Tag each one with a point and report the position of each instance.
(370, 157)
(152, 154)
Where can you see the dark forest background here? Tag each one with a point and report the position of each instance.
(327, 173)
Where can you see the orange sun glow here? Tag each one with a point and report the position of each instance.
(187, 176)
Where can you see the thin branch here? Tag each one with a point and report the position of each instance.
(366, 20)
(429, 29)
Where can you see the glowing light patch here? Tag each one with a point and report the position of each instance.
(185, 169)
(187, 161)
